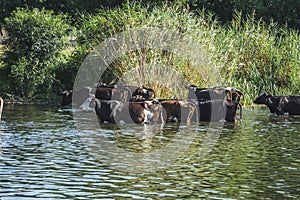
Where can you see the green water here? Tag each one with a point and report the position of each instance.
(45, 156)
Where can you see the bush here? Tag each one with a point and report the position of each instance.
(66, 70)
(35, 39)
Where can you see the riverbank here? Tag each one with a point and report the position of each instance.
(10, 99)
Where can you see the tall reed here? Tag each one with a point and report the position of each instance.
(250, 55)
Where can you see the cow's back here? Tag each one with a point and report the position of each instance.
(290, 105)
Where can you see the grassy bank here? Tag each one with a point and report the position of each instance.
(250, 55)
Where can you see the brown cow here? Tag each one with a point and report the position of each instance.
(143, 93)
(177, 111)
(114, 111)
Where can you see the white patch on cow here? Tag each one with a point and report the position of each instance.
(122, 122)
(148, 116)
(228, 88)
(145, 91)
(286, 113)
(173, 119)
(86, 104)
(148, 103)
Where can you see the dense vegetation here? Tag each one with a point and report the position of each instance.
(39, 56)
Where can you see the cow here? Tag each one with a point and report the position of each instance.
(280, 105)
(218, 110)
(111, 93)
(66, 97)
(204, 94)
(176, 110)
(77, 97)
(216, 103)
(213, 93)
(115, 111)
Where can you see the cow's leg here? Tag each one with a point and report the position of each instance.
(191, 113)
(148, 116)
(115, 107)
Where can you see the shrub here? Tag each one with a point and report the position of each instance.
(35, 39)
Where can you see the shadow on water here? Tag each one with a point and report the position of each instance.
(45, 155)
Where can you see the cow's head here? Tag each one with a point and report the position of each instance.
(233, 94)
(264, 98)
(67, 97)
(143, 93)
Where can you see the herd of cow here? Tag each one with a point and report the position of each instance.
(115, 104)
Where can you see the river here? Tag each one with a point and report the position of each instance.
(46, 154)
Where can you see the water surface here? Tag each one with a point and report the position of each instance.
(44, 155)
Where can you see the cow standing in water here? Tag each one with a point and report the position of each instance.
(77, 97)
(216, 103)
(174, 110)
(114, 111)
(280, 105)
(126, 103)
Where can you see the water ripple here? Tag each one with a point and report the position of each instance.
(43, 157)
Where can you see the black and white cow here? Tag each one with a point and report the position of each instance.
(216, 103)
(280, 105)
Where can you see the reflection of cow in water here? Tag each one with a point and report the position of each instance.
(147, 137)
